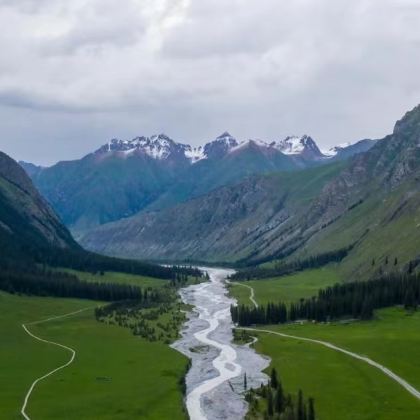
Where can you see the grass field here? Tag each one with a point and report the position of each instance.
(343, 387)
(115, 375)
(287, 288)
(120, 278)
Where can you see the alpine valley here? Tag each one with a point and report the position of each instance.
(193, 275)
(244, 202)
(238, 279)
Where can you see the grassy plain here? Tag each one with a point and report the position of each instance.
(287, 288)
(119, 278)
(344, 387)
(115, 375)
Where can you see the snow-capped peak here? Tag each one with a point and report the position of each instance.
(158, 146)
(249, 142)
(220, 146)
(293, 145)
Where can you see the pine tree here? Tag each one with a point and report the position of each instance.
(300, 409)
(279, 399)
(410, 267)
(245, 382)
(311, 409)
(274, 381)
(270, 408)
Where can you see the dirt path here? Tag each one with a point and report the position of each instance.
(413, 391)
(251, 296)
(69, 349)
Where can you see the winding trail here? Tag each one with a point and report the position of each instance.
(69, 349)
(251, 295)
(413, 391)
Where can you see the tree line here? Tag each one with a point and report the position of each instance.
(355, 300)
(278, 404)
(91, 262)
(31, 250)
(282, 268)
(44, 282)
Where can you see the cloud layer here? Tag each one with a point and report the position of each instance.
(73, 74)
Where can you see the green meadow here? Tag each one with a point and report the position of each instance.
(115, 375)
(344, 388)
(119, 278)
(287, 288)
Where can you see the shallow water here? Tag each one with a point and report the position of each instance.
(215, 382)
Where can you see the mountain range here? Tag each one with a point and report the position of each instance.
(369, 204)
(124, 177)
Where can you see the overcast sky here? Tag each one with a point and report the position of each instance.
(74, 74)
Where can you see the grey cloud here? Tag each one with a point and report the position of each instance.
(87, 70)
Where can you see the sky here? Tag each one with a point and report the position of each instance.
(74, 74)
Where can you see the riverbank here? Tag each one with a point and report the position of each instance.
(215, 382)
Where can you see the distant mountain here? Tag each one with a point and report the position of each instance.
(227, 224)
(304, 146)
(32, 239)
(370, 202)
(124, 177)
(31, 169)
(26, 220)
(116, 181)
(347, 150)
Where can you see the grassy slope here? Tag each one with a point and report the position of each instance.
(394, 231)
(343, 387)
(144, 376)
(298, 190)
(287, 288)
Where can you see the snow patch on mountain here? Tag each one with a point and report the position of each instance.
(158, 146)
(336, 149)
(295, 145)
(246, 143)
(194, 154)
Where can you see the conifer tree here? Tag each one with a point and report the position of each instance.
(270, 408)
(274, 381)
(279, 399)
(300, 408)
(311, 409)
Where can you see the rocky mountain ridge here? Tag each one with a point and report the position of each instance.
(290, 214)
(162, 147)
(124, 177)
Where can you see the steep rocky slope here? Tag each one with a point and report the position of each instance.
(26, 220)
(227, 224)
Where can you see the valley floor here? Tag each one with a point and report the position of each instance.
(288, 288)
(115, 375)
(342, 386)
